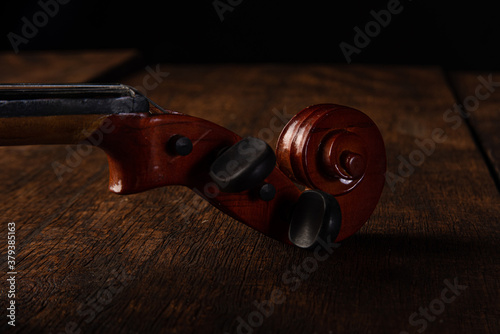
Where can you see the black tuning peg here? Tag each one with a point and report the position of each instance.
(243, 166)
(316, 215)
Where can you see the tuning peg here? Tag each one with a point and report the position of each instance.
(243, 166)
(316, 215)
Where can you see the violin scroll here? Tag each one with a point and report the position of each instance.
(339, 151)
(335, 151)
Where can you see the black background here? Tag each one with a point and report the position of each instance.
(455, 35)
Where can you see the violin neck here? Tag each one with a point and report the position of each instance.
(61, 114)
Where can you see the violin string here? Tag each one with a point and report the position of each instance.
(149, 100)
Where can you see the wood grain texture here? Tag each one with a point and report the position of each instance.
(165, 261)
(479, 94)
(59, 67)
(62, 129)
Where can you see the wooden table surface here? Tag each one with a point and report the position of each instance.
(165, 261)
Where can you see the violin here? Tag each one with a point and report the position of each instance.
(320, 185)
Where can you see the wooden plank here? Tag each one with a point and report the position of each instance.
(479, 94)
(165, 261)
(59, 67)
(46, 67)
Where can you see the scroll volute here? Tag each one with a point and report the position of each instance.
(338, 150)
